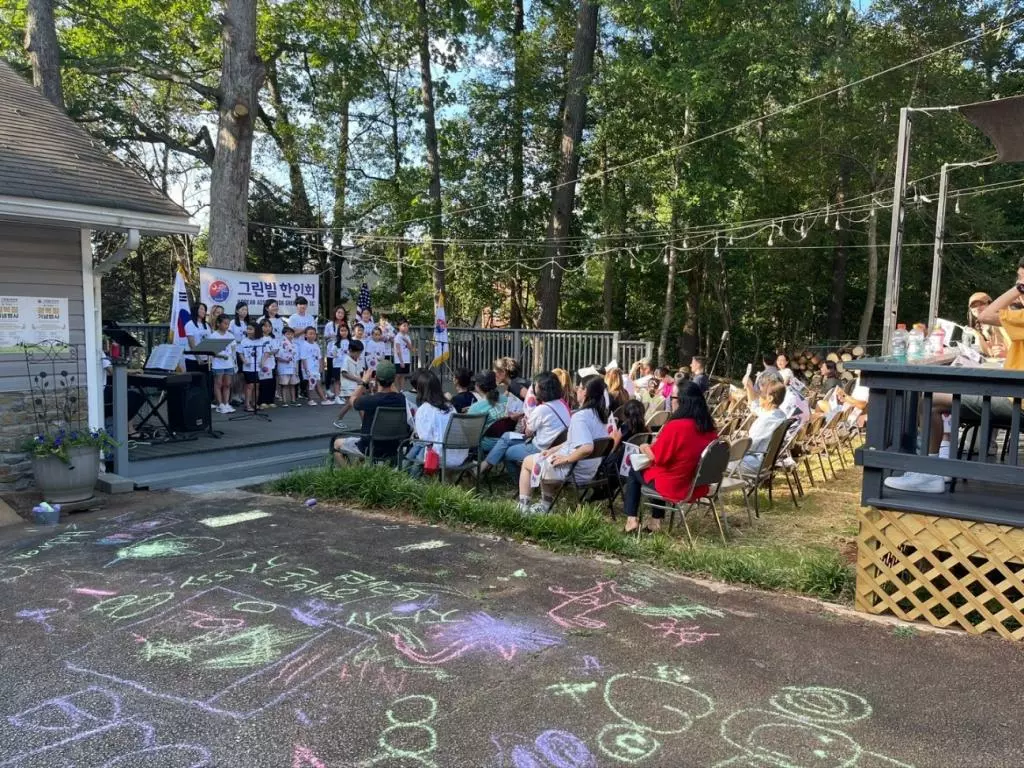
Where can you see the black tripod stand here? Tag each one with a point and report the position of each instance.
(255, 413)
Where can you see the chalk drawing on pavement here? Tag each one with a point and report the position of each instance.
(578, 607)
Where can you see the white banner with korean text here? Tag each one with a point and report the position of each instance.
(227, 288)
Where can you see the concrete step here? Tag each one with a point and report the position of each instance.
(249, 471)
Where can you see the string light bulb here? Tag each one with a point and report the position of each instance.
(716, 248)
(664, 258)
(803, 231)
(686, 244)
(552, 270)
(826, 214)
(730, 239)
(956, 208)
(837, 224)
(771, 237)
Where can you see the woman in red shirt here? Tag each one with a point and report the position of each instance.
(674, 457)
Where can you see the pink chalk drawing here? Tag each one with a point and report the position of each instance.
(482, 632)
(683, 635)
(602, 595)
(304, 758)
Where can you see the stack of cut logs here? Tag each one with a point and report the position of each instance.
(807, 363)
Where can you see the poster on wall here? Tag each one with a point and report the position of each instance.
(30, 320)
(227, 288)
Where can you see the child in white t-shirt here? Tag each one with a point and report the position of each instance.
(367, 321)
(287, 360)
(268, 363)
(311, 363)
(223, 365)
(402, 349)
(250, 352)
(351, 375)
(387, 332)
(337, 348)
(374, 350)
(300, 321)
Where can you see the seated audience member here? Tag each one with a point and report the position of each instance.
(651, 397)
(550, 468)
(463, 397)
(617, 394)
(795, 406)
(782, 362)
(493, 403)
(568, 390)
(768, 361)
(506, 372)
(640, 373)
(366, 404)
(697, 374)
(433, 413)
(829, 377)
(668, 382)
(631, 424)
(1003, 313)
(543, 426)
(674, 457)
(767, 404)
(991, 339)
(627, 382)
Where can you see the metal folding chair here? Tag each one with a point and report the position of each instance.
(713, 463)
(390, 425)
(732, 480)
(463, 433)
(657, 420)
(602, 447)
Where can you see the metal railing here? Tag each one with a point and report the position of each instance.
(477, 348)
(985, 463)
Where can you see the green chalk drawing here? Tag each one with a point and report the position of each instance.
(409, 737)
(168, 546)
(689, 611)
(821, 705)
(671, 674)
(626, 744)
(130, 606)
(254, 606)
(256, 646)
(165, 649)
(575, 691)
(520, 574)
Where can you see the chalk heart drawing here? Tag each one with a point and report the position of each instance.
(577, 608)
(478, 632)
(801, 730)
(551, 749)
(647, 707)
(220, 651)
(90, 725)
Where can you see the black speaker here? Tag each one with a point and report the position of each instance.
(188, 407)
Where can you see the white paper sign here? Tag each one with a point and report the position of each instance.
(227, 288)
(32, 319)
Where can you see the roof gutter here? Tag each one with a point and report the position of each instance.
(96, 217)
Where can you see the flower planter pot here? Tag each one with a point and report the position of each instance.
(63, 483)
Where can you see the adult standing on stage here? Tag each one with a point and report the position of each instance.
(196, 331)
(270, 313)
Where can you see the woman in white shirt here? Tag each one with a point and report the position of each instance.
(547, 420)
(550, 468)
(433, 414)
(196, 331)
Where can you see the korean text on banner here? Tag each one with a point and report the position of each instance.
(227, 288)
(441, 349)
(181, 311)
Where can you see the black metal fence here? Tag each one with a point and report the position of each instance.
(985, 467)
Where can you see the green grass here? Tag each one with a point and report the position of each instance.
(809, 568)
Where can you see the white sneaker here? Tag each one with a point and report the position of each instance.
(218, 408)
(328, 403)
(339, 400)
(917, 482)
(312, 402)
(228, 408)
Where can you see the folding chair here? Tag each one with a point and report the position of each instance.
(463, 433)
(731, 481)
(389, 426)
(615, 483)
(710, 471)
(766, 470)
(602, 447)
(657, 420)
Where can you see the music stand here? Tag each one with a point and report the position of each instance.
(211, 347)
(255, 413)
(122, 337)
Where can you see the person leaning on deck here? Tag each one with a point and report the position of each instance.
(1004, 313)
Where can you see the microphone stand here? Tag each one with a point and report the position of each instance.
(256, 413)
(711, 371)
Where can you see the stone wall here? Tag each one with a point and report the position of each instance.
(16, 424)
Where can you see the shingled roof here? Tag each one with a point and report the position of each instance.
(45, 155)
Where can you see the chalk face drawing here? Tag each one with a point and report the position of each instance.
(482, 633)
(647, 707)
(222, 660)
(801, 730)
(61, 731)
(577, 608)
(551, 749)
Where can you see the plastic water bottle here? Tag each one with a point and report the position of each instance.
(937, 341)
(915, 344)
(899, 342)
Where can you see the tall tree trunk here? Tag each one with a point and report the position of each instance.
(869, 299)
(516, 227)
(840, 257)
(241, 78)
(670, 294)
(430, 140)
(283, 134)
(44, 50)
(689, 342)
(563, 195)
(339, 215)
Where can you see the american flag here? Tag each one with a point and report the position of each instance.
(364, 297)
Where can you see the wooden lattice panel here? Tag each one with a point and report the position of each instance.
(944, 571)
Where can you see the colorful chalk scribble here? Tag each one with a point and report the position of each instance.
(479, 632)
(577, 608)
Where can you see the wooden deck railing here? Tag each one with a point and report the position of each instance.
(985, 487)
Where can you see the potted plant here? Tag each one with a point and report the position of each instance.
(67, 463)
